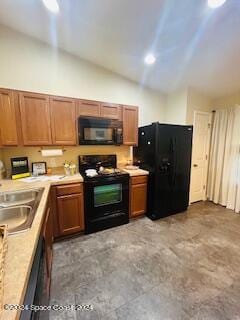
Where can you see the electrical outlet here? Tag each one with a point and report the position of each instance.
(52, 162)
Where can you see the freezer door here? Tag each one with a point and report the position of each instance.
(169, 191)
(182, 167)
(160, 186)
(144, 154)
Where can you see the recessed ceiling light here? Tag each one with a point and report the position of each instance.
(51, 5)
(215, 3)
(149, 59)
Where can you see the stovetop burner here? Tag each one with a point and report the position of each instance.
(105, 174)
(107, 171)
(104, 166)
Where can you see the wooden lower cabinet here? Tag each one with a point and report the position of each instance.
(69, 209)
(138, 196)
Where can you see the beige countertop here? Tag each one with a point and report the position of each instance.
(138, 172)
(22, 246)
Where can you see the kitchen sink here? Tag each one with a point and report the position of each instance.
(17, 218)
(18, 197)
(18, 208)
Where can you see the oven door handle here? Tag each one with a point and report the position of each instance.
(107, 180)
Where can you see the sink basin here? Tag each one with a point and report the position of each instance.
(18, 208)
(18, 197)
(17, 218)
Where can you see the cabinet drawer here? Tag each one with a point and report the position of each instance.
(69, 189)
(139, 179)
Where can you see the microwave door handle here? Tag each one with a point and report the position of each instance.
(114, 135)
(119, 138)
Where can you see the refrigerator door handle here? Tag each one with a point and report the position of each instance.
(172, 172)
(174, 160)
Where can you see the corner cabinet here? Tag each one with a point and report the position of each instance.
(69, 209)
(130, 125)
(138, 196)
(63, 121)
(35, 118)
(8, 118)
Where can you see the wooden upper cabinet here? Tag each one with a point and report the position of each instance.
(130, 125)
(63, 121)
(35, 118)
(111, 111)
(8, 118)
(88, 108)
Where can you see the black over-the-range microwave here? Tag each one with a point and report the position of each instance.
(97, 131)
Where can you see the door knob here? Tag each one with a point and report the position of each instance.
(195, 165)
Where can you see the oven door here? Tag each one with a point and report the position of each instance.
(94, 131)
(106, 203)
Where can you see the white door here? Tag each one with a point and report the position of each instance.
(200, 155)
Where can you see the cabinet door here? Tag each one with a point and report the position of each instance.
(110, 110)
(138, 199)
(35, 117)
(8, 119)
(130, 125)
(63, 121)
(88, 108)
(70, 213)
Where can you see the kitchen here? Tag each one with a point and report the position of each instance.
(98, 172)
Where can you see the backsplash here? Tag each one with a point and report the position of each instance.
(71, 154)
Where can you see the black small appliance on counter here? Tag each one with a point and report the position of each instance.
(106, 195)
(20, 167)
(165, 151)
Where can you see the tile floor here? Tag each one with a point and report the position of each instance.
(185, 266)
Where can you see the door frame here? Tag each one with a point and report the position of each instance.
(208, 150)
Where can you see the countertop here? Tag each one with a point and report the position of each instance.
(22, 246)
(138, 172)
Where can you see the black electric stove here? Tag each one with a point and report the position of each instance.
(106, 195)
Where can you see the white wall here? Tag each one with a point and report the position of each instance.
(28, 64)
(196, 101)
(181, 105)
(227, 101)
(176, 107)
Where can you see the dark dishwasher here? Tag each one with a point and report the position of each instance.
(36, 294)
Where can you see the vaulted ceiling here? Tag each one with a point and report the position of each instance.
(194, 45)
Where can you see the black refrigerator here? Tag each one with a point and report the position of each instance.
(165, 151)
